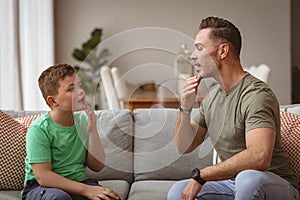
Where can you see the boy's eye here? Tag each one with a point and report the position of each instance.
(71, 89)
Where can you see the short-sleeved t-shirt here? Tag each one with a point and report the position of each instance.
(250, 104)
(65, 147)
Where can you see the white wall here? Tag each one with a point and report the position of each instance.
(264, 25)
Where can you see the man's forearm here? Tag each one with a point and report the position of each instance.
(257, 156)
(184, 133)
(231, 167)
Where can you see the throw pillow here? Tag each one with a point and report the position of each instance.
(290, 137)
(26, 120)
(13, 151)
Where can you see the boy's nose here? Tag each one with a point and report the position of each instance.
(81, 91)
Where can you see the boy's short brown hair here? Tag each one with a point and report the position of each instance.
(49, 79)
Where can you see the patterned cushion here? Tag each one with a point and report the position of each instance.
(290, 137)
(13, 151)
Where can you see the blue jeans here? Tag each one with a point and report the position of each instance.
(249, 184)
(33, 191)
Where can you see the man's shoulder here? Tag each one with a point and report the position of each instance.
(253, 88)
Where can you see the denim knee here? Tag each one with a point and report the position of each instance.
(56, 194)
(248, 179)
(176, 190)
(253, 184)
(174, 194)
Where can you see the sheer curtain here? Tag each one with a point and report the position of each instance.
(26, 49)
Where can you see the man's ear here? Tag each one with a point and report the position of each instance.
(51, 101)
(223, 50)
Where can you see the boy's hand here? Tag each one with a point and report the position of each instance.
(98, 192)
(91, 126)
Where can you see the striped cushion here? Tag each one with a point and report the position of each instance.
(13, 151)
(290, 137)
(26, 120)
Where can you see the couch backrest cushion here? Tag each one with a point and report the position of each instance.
(290, 137)
(13, 150)
(116, 131)
(155, 154)
(292, 108)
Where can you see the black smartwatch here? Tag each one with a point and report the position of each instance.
(196, 176)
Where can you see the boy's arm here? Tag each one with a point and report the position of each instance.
(96, 153)
(47, 178)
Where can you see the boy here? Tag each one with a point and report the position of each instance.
(57, 150)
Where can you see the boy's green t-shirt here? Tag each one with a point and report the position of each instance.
(250, 104)
(64, 147)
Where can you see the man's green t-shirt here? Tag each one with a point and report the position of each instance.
(64, 147)
(250, 104)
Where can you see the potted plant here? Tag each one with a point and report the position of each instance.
(91, 62)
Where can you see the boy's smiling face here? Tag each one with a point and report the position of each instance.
(70, 96)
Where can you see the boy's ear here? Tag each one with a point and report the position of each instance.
(51, 101)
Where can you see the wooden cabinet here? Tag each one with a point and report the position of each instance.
(150, 99)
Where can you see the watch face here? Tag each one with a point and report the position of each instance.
(195, 173)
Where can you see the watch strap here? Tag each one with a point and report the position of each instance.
(185, 111)
(197, 177)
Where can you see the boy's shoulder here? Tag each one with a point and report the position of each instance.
(44, 118)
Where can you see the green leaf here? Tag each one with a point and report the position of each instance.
(79, 55)
(104, 53)
(84, 76)
(97, 32)
(94, 40)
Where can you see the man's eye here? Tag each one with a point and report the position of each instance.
(199, 48)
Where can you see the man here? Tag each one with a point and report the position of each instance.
(253, 166)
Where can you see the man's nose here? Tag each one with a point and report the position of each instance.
(193, 56)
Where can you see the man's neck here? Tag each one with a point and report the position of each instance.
(231, 75)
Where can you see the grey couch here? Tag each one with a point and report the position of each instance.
(141, 157)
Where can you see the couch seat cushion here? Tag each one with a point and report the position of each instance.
(11, 195)
(149, 190)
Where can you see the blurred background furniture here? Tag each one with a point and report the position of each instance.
(109, 90)
(120, 93)
(261, 72)
(121, 87)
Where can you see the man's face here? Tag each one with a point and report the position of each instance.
(70, 95)
(205, 55)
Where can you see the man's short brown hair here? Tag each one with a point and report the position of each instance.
(224, 31)
(49, 79)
